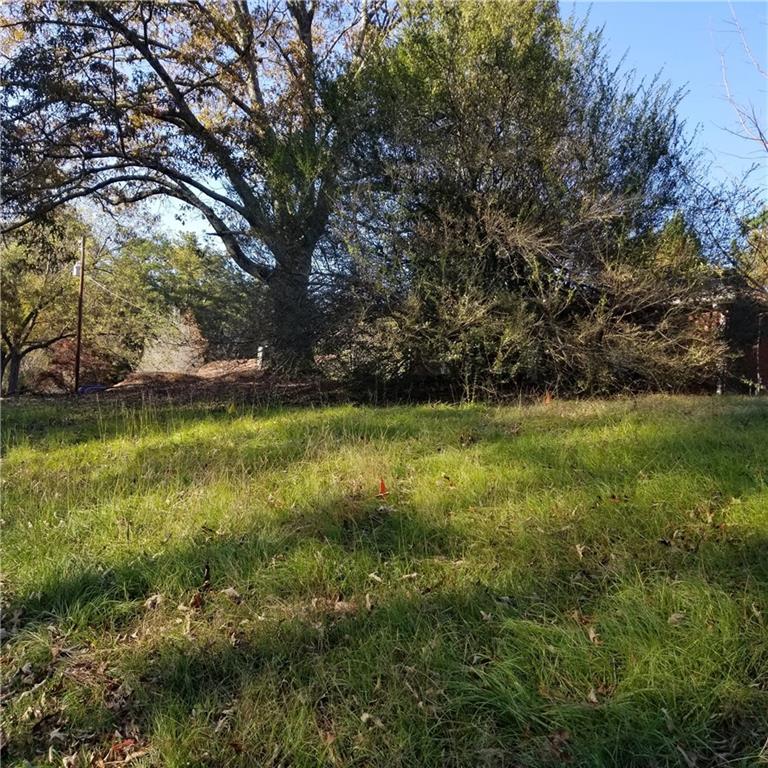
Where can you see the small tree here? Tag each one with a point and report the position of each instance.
(38, 293)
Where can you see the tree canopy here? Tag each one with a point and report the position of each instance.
(246, 112)
(414, 186)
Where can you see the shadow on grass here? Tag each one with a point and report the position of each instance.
(457, 671)
(456, 675)
(459, 668)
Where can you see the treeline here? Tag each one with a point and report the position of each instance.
(139, 292)
(453, 197)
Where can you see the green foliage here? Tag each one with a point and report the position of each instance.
(533, 231)
(38, 293)
(228, 305)
(132, 292)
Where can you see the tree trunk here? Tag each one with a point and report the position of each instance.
(13, 364)
(292, 316)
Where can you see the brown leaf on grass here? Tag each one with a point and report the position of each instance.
(580, 618)
(326, 605)
(135, 755)
(119, 748)
(327, 737)
(409, 576)
(232, 594)
(592, 696)
(676, 618)
(580, 549)
(593, 636)
(196, 601)
(366, 717)
(224, 721)
(153, 601)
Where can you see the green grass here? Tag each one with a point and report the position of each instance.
(581, 583)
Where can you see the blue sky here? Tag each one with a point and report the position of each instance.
(685, 39)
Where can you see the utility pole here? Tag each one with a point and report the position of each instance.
(80, 315)
(758, 354)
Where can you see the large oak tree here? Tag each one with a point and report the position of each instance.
(247, 112)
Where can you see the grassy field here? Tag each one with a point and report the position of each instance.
(581, 583)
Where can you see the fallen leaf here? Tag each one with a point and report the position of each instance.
(120, 747)
(580, 549)
(580, 617)
(232, 594)
(375, 577)
(676, 618)
(153, 601)
(366, 717)
(593, 636)
(223, 721)
(409, 576)
(486, 616)
(592, 696)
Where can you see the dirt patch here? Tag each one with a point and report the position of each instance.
(228, 380)
(241, 369)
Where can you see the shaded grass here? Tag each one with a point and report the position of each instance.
(581, 582)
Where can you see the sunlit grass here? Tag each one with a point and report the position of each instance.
(578, 582)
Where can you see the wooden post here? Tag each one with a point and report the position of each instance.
(80, 315)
